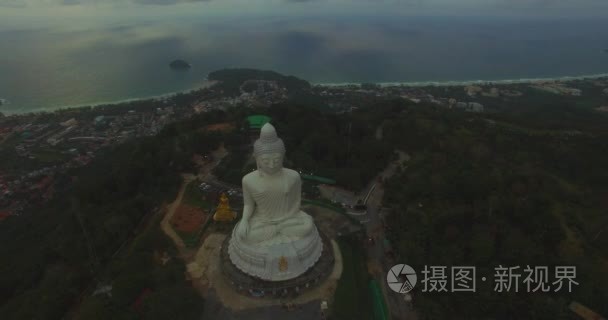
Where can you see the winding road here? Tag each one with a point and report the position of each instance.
(380, 264)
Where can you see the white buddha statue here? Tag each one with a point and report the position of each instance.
(274, 240)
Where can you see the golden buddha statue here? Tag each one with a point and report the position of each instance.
(224, 213)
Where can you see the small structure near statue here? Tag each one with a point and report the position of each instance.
(224, 213)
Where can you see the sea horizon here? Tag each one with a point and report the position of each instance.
(123, 54)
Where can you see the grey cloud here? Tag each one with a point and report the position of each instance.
(13, 3)
(70, 2)
(167, 2)
(549, 3)
(433, 4)
(35, 3)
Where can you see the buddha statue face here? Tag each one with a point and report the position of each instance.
(270, 163)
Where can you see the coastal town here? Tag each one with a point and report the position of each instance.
(43, 146)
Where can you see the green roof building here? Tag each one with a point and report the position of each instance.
(257, 121)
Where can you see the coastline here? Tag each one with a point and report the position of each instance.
(209, 83)
(204, 85)
(448, 83)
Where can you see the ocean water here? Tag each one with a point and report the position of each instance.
(58, 59)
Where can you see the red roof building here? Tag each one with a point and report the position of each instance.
(4, 215)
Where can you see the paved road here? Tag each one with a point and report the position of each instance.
(376, 252)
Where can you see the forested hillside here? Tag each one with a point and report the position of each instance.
(50, 255)
(503, 189)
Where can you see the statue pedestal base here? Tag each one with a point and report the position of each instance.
(276, 260)
(248, 284)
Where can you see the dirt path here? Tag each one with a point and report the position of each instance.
(164, 224)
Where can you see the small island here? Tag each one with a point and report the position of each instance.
(179, 65)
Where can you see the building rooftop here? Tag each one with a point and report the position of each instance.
(257, 121)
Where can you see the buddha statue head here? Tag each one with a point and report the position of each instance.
(269, 150)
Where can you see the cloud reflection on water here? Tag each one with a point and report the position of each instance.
(82, 54)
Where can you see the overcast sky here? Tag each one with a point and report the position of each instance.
(93, 14)
(563, 6)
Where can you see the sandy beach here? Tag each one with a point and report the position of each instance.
(449, 83)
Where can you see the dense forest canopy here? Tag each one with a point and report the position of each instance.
(514, 190)
(58, 250)
(341, 147)
(231, 79)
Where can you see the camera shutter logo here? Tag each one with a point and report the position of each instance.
(401, 278)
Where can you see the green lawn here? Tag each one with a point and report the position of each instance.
(193, 196)
(192, 239)
(325, 204)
